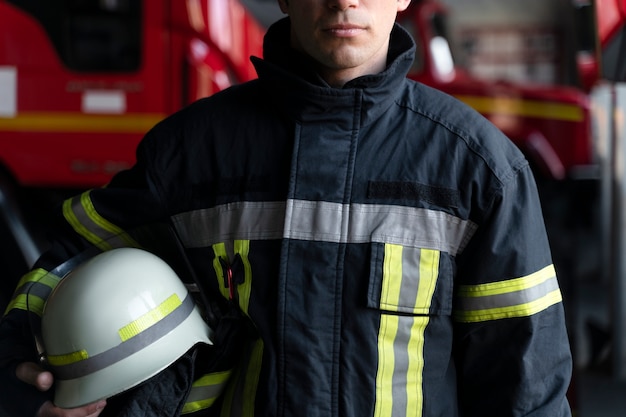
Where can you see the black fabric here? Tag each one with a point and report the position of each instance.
(233, 333)
(163, 395)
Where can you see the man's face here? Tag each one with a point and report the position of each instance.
(348, 38)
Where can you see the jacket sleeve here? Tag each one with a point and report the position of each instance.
(94, 221)
(511, 344)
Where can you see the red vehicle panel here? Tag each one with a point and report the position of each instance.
(551, 124)
(81, 93)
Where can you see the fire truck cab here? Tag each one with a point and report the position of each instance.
(81, 82)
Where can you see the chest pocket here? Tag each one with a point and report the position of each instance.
(410, 280)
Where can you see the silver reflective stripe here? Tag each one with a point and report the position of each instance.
(410, 278)
(125, 349)
(80, 213)
(245, 220)
(518, 297)
(35, 289)
(509, 299)
(325, 222)
(205, 392)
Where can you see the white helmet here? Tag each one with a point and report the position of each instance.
(115, 321)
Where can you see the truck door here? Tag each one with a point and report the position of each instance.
(87, 79)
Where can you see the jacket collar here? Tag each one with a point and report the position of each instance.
(295, 86)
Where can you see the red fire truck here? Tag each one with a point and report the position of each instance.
(81, 81)
(551, 124)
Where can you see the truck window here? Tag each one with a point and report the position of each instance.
(91, 35)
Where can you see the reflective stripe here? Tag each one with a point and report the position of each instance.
(33, 290)
(519, 297)
(239, 398)
(60, 360)
(150, 318)
(244, 288)
(137, 123)
(399, 380)
(83, 217)
(407, 286)
(205, 391)
(240, 395)
(38, 283)
(252, 379)
(219, 249)
(87, 365)
(525, 108)
(242, 247)
(366, 223)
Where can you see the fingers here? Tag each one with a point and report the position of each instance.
(92, 410)
(33, 374)
(99, 407)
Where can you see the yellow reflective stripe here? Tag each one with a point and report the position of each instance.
(24, 299)
(150, 318)
(101, 232)
(522, 310)
(242, 247)
(252, 378)
(401, 337)
(415, 372)
(429, 271)
(219, 249)
(69, 358)
(386, 365)
(138, 123)
(103, 223)
(201, 398)
(392, 277)
(71, 218)
(519, 297)
(239, 395)
(507, 286)
(33, 304)
(525, 108)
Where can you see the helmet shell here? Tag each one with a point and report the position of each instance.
(115, 321)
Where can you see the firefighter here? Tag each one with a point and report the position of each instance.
(385, 241)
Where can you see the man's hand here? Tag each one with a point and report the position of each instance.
(34, 375)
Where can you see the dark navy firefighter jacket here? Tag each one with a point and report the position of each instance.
(385, 241)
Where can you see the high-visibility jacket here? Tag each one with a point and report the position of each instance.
(386, 241)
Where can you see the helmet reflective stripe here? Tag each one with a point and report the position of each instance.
(150, 318)
(517, 297)
(78, 364)
(82, 215)
(205, 391)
